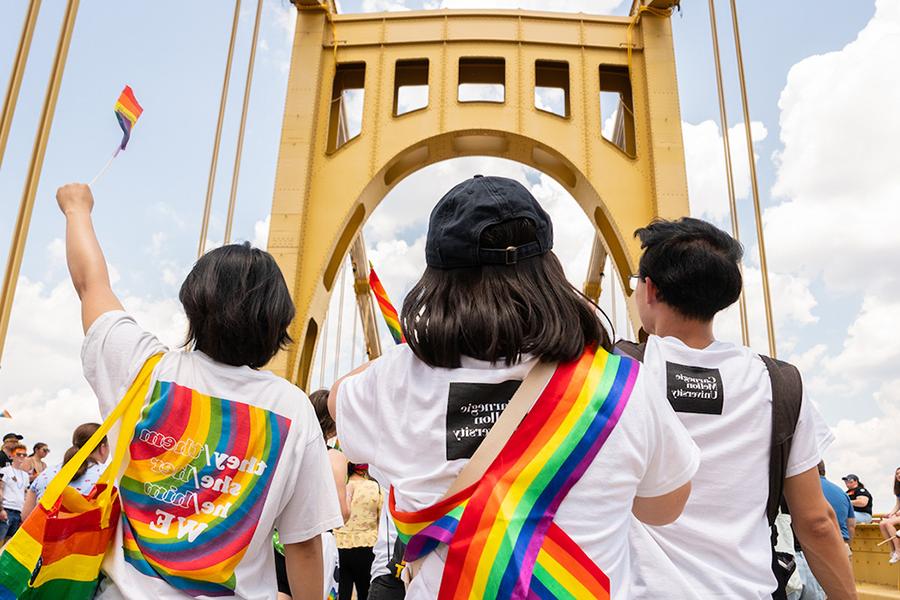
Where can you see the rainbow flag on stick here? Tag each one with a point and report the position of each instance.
(387, 309)
(128, 111)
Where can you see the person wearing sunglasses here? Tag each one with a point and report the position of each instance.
(15, 480)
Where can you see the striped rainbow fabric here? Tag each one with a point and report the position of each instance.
(387, 309)
(194, 489)
(48, 539)
(500, 531)
(127, 112)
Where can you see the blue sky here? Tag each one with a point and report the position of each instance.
(819, 100)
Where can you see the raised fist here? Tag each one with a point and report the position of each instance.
(75, 197)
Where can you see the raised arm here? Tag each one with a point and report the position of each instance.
(87, 265)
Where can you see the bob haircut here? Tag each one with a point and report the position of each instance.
(496, 313)
(238, 306)
(319, 400)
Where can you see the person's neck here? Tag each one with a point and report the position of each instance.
(693, 333)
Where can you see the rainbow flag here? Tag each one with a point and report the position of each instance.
(502, 540)
(387, 309)
(5, 414)
(127, 112)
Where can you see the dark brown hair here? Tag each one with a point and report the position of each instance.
(80, 437)
(319, 400)
(238, 306)
(497, 313)
(896, 483)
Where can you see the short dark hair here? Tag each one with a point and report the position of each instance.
(237, 305)
(499, 312)
(694, 265)
(319, 400)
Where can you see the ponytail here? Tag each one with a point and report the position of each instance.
(80, 437)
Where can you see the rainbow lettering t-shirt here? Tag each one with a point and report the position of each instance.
(200, 470)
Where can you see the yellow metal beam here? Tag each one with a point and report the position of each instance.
(23, 219)
(214, 161)
(18, 72)
(325, 190)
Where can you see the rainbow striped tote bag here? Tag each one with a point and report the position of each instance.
(502, 540)
(57, 551)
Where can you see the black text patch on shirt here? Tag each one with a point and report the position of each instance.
(472, 409)
(694, 389)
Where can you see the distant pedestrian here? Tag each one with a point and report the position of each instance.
(890, 521)
(14, 482)
(35, 463)
(860, 497)
(86, 475)
(10, 441)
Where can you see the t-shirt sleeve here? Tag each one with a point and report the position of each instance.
(811, 438)
(673, 457)
(358, 419)
(114, 350)
(313, 507)
(849, 506)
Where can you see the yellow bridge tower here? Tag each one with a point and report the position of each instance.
(330, 178)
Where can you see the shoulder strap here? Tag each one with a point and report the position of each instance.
(787, 396)
(630, 349)
(127, 411)
(519, 405)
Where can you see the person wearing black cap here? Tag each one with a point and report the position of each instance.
(859, 497)
(10, 441)
(492, 304)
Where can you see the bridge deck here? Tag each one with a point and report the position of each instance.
(875, 578)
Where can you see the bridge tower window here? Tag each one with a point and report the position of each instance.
(482, 80)
(410, 86)
(551, 87)
(347, 99)
(617, 108)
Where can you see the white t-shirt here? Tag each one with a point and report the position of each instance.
(384, 546)
(418, 426)
(83, 484)
(220, 457)
(15, 482)
(720, 546)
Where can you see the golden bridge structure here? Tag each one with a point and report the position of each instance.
(333, 171)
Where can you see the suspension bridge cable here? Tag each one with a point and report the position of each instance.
(210, 185)
(18, 72)
(760, 237)
(240, 141)
(729, 169)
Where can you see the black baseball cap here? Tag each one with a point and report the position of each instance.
(850, 476)
(13, 435)
(456, 224)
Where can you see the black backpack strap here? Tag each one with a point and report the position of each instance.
(787, 396)
(630, 349)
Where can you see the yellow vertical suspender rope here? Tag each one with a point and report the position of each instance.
(240, 141)
(23, 220)
(210, 185)
(729, 170)
(18, 71)
(770, 328)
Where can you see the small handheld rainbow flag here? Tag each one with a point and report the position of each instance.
(127, 112)
(387, 309)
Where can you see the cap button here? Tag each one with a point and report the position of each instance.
(477, 176)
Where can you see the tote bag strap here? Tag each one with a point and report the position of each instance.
(129, 408)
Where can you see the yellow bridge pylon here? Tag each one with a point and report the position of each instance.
(330, 178)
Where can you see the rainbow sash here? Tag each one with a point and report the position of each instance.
(502, 540)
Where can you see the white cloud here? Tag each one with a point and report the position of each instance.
(705, 163)
(870, 448)
(261, 233)
(41, 381)
(585, 6)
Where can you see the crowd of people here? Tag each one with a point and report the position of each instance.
(511, 447)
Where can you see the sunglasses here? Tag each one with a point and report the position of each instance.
(20, 454)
